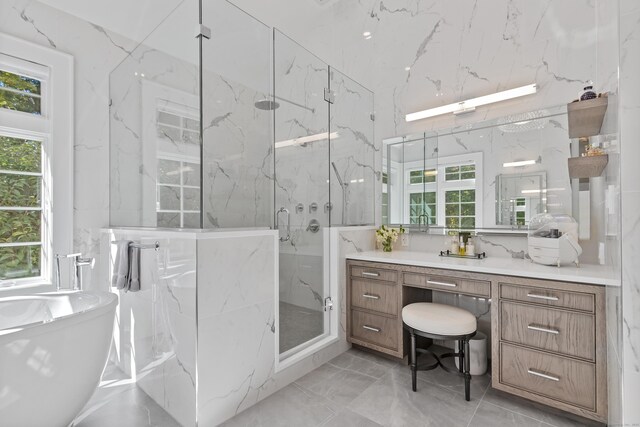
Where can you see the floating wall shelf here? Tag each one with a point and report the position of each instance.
(586, 117)
(588, 166)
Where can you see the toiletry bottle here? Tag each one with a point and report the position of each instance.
(462, 249)
(587, 93)
(470, 248)
(455, 248)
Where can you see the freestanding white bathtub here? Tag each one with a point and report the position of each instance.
(53, 349)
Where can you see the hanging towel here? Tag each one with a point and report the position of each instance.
(133, 284)
(121, 265)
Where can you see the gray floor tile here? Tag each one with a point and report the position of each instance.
(445, 379)
(129, 408)
(347, 418)
(534, 410)
(488, 415)
(298, 325)
(392, 403)
(339, 385)
(291, 406)
(359, 361)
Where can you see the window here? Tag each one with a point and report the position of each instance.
(20, 93)
(460, 209)
(445, 191)
(423, 204)
(34, 83)
(178, 198)
(177, 126)
(21, 206)
(385, 198)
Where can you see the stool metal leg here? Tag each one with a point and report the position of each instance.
(461, 356)
(414, 361)
(467, 375)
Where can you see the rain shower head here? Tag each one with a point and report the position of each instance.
(266, 105)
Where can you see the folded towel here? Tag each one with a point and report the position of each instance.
(134, 269)
(121, 265)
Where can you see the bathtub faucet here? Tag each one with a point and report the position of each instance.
(78, 262)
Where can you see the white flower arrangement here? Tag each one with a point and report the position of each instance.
(387, 236)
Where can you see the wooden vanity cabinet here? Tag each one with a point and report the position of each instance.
(548, 337)
(549, 343)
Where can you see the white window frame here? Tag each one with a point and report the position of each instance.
(440, 186)
(182, 159)
(54, 127)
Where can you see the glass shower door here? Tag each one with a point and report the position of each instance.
(352, 152)
(302, 204)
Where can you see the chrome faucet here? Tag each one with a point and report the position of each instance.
(78, 262)
(421, 221)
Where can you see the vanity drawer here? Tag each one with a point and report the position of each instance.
(379, 330)
(374, 273)
(559, 378)
(550, 297)
(559, 331)
(376, 296)
(448, 284)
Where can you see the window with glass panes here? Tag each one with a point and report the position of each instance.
(176, 126)
(521, 210)
(422, 202)
(178, 193)
(22, 212)
(385, 198)
(460, 209)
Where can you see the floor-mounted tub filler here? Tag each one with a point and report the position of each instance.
(53, 349)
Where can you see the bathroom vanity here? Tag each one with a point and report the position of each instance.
(547, 323)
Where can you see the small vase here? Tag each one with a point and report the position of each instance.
(386, 247)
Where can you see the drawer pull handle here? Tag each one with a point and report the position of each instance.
(541, 329)
(371, 328)
(371, 296)
(541, 375)
(370, 274)
(545, 297)
(435, 282)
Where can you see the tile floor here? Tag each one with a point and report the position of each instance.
(298, 325)
(356, 388)
(361, 389)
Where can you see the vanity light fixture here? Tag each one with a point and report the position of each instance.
(522, 163)
(305, 139)
(518, 164)
(471, 104)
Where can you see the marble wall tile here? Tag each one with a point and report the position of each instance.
(630, 222)
(156, 336)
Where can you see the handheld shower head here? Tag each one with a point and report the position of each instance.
(335, 169)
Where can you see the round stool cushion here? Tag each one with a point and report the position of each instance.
(438, 319)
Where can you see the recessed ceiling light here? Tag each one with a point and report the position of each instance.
(407, 68)
(367, 34)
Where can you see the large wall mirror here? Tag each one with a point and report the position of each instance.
(491, 175)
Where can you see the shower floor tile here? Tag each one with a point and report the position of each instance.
(298, 325)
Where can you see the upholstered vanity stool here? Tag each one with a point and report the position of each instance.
(440, 322)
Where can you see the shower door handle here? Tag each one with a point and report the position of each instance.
(286, 211)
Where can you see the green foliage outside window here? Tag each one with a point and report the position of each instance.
(20, 191)
(20, 93)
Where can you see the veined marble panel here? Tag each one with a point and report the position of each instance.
(630, 152)
(155, 340)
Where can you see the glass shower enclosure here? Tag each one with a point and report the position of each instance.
(239, 127)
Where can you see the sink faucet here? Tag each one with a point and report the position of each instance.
(78, 262)
(425, 222)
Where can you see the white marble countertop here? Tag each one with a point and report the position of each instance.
(586, 273)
